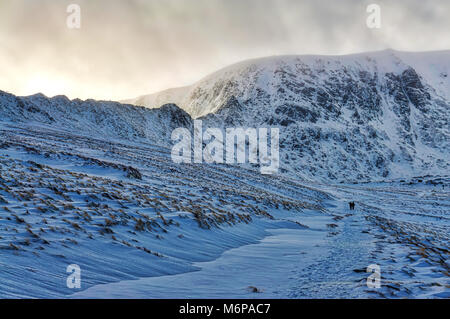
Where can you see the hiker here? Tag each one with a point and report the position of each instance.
(352, 205)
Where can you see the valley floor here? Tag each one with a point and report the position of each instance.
(141, 226)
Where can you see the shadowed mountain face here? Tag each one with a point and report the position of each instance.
(360, 117)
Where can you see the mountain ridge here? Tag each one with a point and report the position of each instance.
(179, 95)
(359, 117)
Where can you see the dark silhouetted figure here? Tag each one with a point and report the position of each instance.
(352, 205)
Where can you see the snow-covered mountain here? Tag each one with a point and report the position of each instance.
(95, 118)
(355, 117)
(372, 116)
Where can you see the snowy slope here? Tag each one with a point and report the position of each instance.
(70, 199)
(195, 230)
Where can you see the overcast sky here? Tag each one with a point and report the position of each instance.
(129, 48)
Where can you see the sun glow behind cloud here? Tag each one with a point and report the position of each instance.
(129, 48)
(48, 85)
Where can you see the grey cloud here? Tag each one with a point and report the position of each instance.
(128, 48)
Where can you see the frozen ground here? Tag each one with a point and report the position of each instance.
(140, 226)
